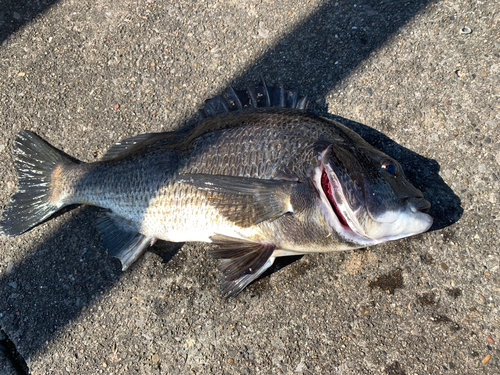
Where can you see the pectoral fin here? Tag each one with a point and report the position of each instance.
(244, 201)
(242, 261)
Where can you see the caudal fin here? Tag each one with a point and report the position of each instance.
(35, 160)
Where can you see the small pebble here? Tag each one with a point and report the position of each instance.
(231, 361)
(300, 367)
(155, 358)
(486, 359)
(117, 106)
(490, 340)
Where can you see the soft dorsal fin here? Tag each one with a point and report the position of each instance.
(127, 146)
(138, 143)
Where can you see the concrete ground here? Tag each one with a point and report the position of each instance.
(418, 79)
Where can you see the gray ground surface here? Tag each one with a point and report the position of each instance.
(84, 74)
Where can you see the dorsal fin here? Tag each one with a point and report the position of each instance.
(266, 93)
(139, 143)
(126, 146)
(231, 100)
(259, 96)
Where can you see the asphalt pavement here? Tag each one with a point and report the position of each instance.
(417, 79)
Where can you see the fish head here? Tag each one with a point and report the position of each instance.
(366, 197)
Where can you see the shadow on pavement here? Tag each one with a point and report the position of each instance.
(14, 14)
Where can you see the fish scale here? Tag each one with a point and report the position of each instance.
(257, 181)
(250, 159)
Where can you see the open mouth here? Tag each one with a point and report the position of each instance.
(327, 189)
(333, 204)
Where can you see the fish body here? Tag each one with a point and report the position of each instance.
(259, 182)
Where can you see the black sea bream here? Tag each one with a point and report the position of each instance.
(258, 176)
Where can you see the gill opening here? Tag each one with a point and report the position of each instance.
(327, 189)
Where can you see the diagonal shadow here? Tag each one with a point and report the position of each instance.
(69, 270)
(14, 14)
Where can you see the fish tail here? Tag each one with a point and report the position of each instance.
(37, 163)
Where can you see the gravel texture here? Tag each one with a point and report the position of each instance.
(407, 75)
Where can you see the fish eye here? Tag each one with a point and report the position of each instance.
(389, 166)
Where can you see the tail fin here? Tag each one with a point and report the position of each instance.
(31, 204)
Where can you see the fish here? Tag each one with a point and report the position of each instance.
(258, 175)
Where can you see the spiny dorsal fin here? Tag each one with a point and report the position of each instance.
(259, 96)
(231, 98)
(265, 92)
(242, 261)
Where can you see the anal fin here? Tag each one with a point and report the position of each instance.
(242, 261)
(121, 240)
